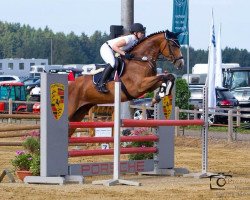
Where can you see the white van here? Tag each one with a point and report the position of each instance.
(35, 71)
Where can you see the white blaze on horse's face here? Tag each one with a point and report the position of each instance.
(179, 63)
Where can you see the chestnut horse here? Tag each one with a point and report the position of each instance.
(139, 76)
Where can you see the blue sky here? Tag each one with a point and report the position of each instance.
(90, 15)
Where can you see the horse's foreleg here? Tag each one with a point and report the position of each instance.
(79, 115)
(165, 88)
(152, 83)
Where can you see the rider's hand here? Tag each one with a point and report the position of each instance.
(117, 55)
(129, 56)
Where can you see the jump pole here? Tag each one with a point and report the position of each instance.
(55, 168)
(204, 134)
(117, 130)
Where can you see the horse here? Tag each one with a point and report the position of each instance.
(139, 75)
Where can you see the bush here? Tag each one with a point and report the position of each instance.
(141, 156)
(35, 165)
(29, 160)
(32, 144)
(182, 96)
(22, 160)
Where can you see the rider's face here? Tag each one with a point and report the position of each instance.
(140, 35)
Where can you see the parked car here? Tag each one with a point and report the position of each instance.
(31, 83)
(224, 99)
(196, 97)
(29, 80)
(242, 94)
(9, 78)
(137, 113)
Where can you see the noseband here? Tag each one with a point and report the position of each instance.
(170, 50)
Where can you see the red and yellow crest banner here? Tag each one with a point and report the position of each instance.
(57, 99)
(167, 106)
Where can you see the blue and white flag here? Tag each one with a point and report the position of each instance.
(218, 68)
(211, 67)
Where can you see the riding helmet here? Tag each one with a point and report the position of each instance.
(137, 27)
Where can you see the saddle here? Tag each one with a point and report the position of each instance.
(119, 67)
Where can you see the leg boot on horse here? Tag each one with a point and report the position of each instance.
(101, 86)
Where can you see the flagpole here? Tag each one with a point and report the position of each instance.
(218, 68)
(209, 100)
(188, 67)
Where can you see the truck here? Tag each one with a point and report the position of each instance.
(199, 73)
(35, 71)
(236, 77)
(15, 91)
(203, 68)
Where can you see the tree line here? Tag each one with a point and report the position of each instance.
(23, 41)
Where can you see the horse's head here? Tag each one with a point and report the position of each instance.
(171, 49)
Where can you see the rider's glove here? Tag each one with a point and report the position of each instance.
(129, 56)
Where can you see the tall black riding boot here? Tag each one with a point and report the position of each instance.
(101, 86)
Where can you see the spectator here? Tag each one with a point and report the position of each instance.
(71, 76)
(35, 91)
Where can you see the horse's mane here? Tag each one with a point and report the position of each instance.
(142, 40)
(168, 35)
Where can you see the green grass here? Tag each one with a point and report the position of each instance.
(240, 129)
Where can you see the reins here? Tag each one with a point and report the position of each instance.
(146, 59)
(151, 61)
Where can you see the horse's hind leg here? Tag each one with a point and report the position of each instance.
(79, 115)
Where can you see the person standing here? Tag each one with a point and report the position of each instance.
(35, 91)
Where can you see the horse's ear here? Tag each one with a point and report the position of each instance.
(167, 34)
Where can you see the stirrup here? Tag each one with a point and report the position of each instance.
(102, 88)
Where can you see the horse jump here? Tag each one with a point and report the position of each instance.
(54, 140)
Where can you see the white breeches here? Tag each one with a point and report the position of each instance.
(107, 54)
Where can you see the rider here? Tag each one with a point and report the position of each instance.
(118, 45)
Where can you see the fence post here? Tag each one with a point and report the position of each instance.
(238, 119)
(196, 114)
(177, 128)
(10, 110)
(230, 126)
(144, 112)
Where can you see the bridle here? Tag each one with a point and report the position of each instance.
(152, 62)
(167, 44)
